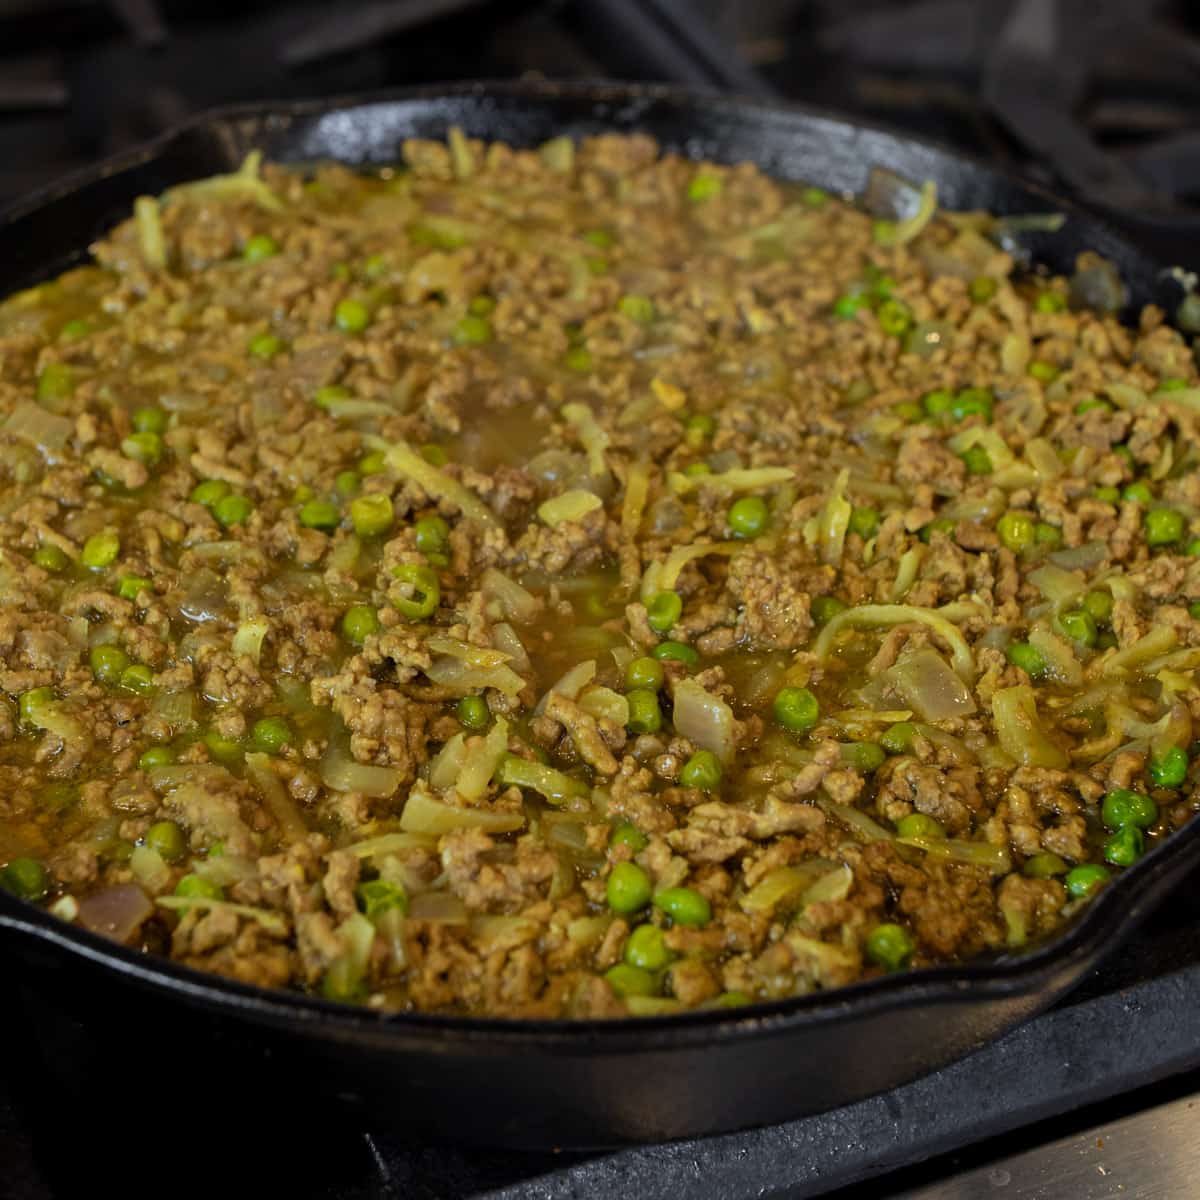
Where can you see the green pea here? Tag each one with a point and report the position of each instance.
(600, 238)
(372, 514)
(55, 381)
(51, 558)
(149, 420)
(472, 712)
(628, 888)
(232, 510)
(1125, 846)
(1079, 625)
(259, 247)
(626, 980)
(796, 708)
(351, 316)
(981, 289)
(698, 428)
(1100, 605)
(697, 469)
(320, 514)
(647, 948)
(107, 663)
(482, 306)
(432, 535)
(919, 825)
(1047, 535)
(945, 525)
(373, 463)
(223, 749)
(977, 461)
(628, 834)
(167, 838)
(644, 673)
(1092, 404)
(847, 306)
(346, 483)
(596, 264)
(358, 623)
(1029, 658)
(132, 586)
(137, 678)
(908, 412)
(701, 771)
(29, 703)
(146, 448)
(377, 896)
(683, 905)
(938, 402)
(209, 492)
(824, 608)
(1110, 495)
(895, 318)
(703, 187)
(889, 945)
(1194, 610)
(973, 402)
(75, 329)
(898, 738)
(100, 550)
(883, 231)
(265, 345)
(747, 517)
(1169, 769)
(271, 734)
(645, 716)
(663, 609)
(1083, 880)
(196, 887)
(425, 592)
(732, 1000)
(1193, 548)
(1123, 806)
(1050, 302)
(25, 878)
(864, 757)
(472, 331)
(1044, 866)
(676, 652)
(637, 308)
(1138, 493)
(1043, 372)
(1172, 385)
(327, 395)
(1016, 531)
(156, 756)
(864, 522)
(814, 197)
(578, 358)
(1163, 526)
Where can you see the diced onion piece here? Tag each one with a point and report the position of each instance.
(704, 719)
(249, 637)
(729, 483)
(570, 506)
(438, 908)
(886, 615)
(605, 705)
(1158, 641)
(783, 885)
(889, 195)
(117, 912)
(149, 869)
(637, 489)
(447, 763)
(481, 756)
(571, 683)
(976, 854)
(408, 464)
(593, 439)
(341, 773)
(461, 678)
(514, 601)
(282, 807)
(425, 813)
(1041, 456)
(1015, 353)
(906, 571)
(1061, 663)
(1060, 587)
(928, 685)
(1019, 731)
(554, 785)
(150, 232)
(48, 431)
(176, 709)
(830, 887)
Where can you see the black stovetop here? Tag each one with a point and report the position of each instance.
(1115, 82)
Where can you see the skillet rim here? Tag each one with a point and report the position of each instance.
(1107, 920)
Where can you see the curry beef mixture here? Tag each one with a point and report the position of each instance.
(585, 582)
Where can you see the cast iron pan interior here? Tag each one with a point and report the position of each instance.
(584, 1083)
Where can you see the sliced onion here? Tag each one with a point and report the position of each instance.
(929, 686)
(704, 719)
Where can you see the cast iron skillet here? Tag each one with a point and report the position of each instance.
(540, 1084)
